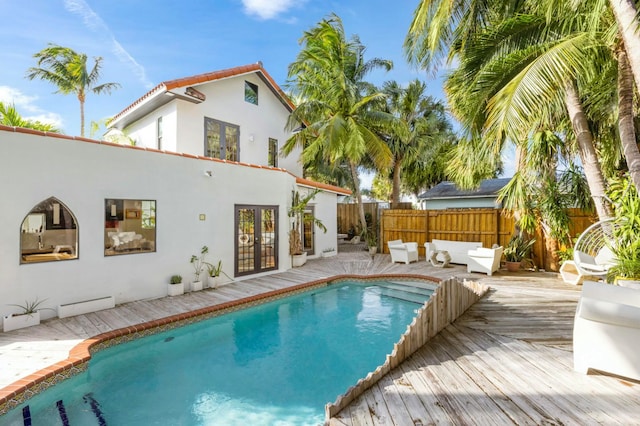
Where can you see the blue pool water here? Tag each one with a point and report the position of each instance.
(274, 364)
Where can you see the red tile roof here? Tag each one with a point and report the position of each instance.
(211, 76)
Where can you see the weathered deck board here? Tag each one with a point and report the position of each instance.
(508, 360)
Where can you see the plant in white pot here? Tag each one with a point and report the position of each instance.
(626, 234)
(198, 263)
(176, 286)
(214, 272)
(29, 316)
(298, 214)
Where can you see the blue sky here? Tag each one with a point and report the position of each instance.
(144, 42)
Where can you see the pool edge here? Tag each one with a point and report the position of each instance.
(25, 388)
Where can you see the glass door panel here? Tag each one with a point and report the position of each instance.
(256, 239)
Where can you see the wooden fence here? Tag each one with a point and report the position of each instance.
(489, 226)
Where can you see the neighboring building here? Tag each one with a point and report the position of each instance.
(446, 195)
(86, 219)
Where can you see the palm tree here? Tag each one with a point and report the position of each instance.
(328, 74)
(524, 72)
(626, 16)
(67, 70)
(420, 122)
(9, 116)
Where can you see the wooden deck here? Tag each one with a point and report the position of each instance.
(507, 360)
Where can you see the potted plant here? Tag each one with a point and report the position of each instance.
(297, 215)
(214, 272)
(372, 242)
(29, 316)
(626, 234)
(198, 264)
(329, 252)
(176, 287)
(517, 249)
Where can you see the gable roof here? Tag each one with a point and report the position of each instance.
(168, 90)
(447, 189)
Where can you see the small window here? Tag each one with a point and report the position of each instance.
(48, 233)
(129, 226)
(273, 152)
(251, 93)
(159, 132)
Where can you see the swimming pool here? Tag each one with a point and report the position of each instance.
(276, 363)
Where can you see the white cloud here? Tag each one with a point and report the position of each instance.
(25, 106)
(267, 9)
(95, 23)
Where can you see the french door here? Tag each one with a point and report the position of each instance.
(256, 242)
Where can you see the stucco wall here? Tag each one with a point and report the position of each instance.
(83, 174)
(184, 122)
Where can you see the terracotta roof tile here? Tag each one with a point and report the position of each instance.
(207, 77)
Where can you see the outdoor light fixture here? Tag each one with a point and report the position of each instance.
(208, 173)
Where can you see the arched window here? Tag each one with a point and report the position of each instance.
(49, 232)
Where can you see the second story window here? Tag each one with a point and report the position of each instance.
(221, 140)
(273, 152)
(159, 132)
(251, 93)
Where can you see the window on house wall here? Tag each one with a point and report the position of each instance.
(129, 226)
(221, 140)
(48, 233)
(273, 152)
(159, 132)
(251, 93)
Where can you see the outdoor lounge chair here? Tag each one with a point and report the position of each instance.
(606, 331)
(485, 260)
(592, 253)
(403, 252)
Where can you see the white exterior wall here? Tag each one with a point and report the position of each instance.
(144, 131)
(83, 174)
(224, 102)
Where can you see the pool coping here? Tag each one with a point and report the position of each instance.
(79, 356)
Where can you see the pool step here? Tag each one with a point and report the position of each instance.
(407, 289)
(403, 295)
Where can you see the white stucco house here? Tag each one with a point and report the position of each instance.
(88, 219)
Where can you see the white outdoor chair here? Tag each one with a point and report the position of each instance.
(403, 252)
(606, 330)
(486, 260)
(592, 252)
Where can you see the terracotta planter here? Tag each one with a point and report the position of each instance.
(512, 266)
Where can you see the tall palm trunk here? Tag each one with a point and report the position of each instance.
(625, 13)
(356, 188)
(625, 118)
(395, 196)
(81, 99)
(587, 151)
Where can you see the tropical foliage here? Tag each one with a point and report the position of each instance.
(67, 70)
(9, 116)
(336, 109)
